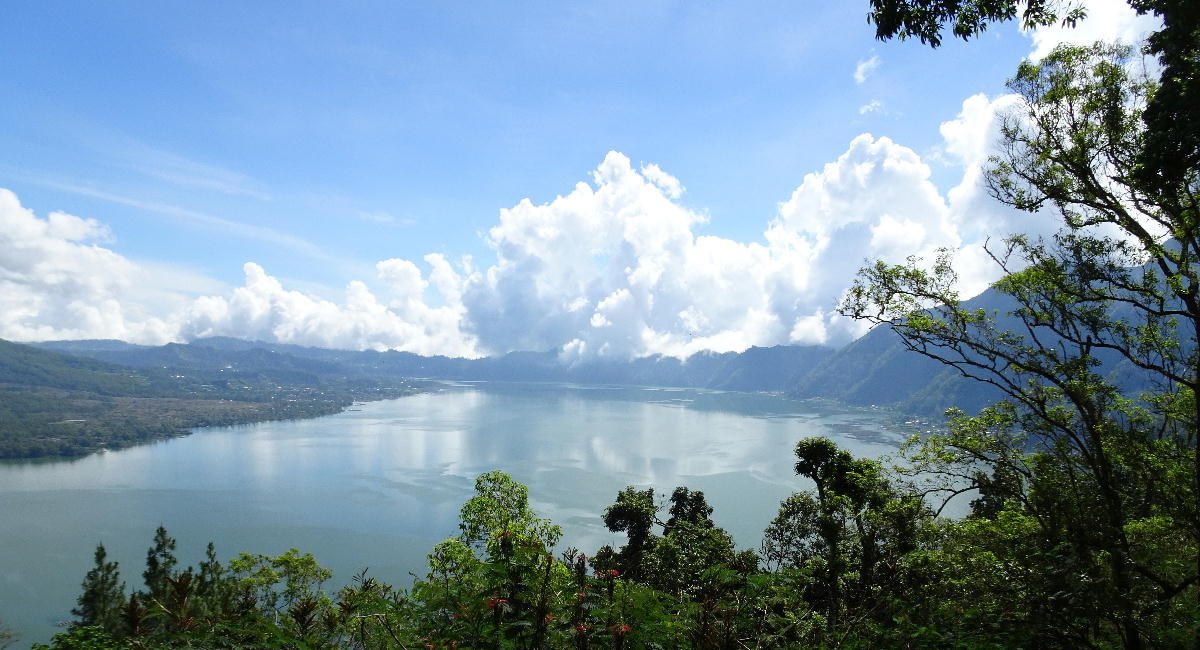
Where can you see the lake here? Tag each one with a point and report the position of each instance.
(378, 485)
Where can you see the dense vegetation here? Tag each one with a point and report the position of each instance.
(1108, 479)
(858, 561)
(61, 405)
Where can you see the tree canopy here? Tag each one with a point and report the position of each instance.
(1096, 478)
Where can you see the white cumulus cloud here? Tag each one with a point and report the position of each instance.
(262, 309)
(876, 201)
(610, 265)
(618, 267)
(57, 280)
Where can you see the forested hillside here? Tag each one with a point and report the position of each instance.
(774, 369)
(55, 404)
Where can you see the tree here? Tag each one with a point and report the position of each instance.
(160, 563)
(86, 637)
(634, 512)
(793, 537)
(819, 460)
(1117, 290)
(503, 597)
(688, 506)
(501, 505)
(215, 594)
(278, 582)
(681, 560)
(103, 594)
(850, 537)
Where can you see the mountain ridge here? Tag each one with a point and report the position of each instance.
(877, 369)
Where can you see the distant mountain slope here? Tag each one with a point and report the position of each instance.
(72, 347)
(769, 369)
(875, 369)
(28, 366)
(757, 369)
(878, 369)
(197, 360)
(57, 404)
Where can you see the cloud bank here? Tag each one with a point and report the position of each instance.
(618, 267)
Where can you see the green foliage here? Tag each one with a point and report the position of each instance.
(634, 513)
(257, 602)
(280, 582)
(103, 593)
(499, 517)
(688, 506)
(792, 538)
(680, 562)
(160, 565)
(507, 596)
(925, 19)
(1172, 144)
(86, 637)
(864, 565)
(848, 542)
(1072, 472)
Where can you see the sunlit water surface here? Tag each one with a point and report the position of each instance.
(377, 486)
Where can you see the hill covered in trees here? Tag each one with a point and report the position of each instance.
(54, 404)
(875, 370)
(773, 369)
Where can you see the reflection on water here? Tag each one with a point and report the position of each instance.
(377, 486)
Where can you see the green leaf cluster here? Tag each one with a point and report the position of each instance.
(1087, 496)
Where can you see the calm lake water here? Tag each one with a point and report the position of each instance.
(377, 486)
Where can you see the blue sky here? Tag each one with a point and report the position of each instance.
(317, 140)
